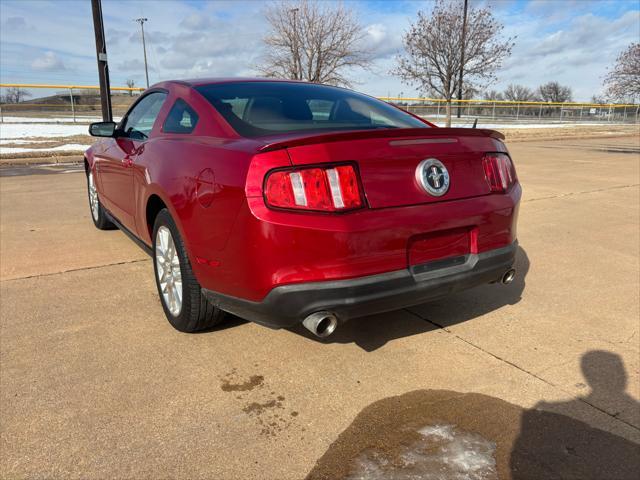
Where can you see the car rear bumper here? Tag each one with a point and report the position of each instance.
(287, 305)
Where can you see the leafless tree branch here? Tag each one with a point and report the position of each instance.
(313, 41)
(623, 81)
(434, 54)
(15, 95)
(518, 93)
(554, 92)
(131, 83)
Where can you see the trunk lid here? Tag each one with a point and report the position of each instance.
(387, 160)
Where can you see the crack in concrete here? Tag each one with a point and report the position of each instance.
(612, 415)
(524, 370)
(77, 270)
(560, 195)
(442, 327)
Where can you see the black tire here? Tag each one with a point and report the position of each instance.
(100, 219)
(196, 312)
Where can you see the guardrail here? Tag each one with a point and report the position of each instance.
(76, 100)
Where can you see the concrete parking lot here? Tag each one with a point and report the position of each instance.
(94, 382)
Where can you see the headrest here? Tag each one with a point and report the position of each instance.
(344, 113)
(297, 109)
(264, 110)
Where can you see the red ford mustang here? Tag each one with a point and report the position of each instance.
(286, 202)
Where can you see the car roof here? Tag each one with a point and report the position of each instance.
(197, 82)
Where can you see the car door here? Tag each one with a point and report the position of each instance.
(116, 161)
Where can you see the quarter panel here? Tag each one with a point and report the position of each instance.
(202, 183)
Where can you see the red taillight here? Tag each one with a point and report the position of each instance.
(333, 189)
(499, 171)
(278, 189)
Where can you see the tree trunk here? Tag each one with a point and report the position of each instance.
(448, 114)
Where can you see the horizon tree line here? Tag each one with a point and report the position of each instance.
(317, 42)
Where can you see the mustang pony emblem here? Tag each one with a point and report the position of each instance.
(433, 177)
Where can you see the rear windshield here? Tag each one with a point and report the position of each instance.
(261, 108)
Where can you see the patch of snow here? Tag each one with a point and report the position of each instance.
(444, 432)
(14, 128)
(5, 141)
(27, 130)
(79, 119)
(443, 452)
(69, 147)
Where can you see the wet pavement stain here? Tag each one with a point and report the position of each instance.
(259, 405)
(253, 382)
(271, 423)
(437, 434)
(259, 408)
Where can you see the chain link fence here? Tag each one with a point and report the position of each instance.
(64, 103)
(504, 111)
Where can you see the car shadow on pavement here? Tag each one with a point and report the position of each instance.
(478, 301)
(446, 434)
(373, 332)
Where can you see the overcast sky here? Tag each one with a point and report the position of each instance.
(572, 41)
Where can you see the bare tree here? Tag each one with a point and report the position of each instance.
(492, 95)
(518, 93)
(131, 83)
(16, 95)
(313, 41)
(623, 81)
(554, 92)
(469, 92)
(433, 54)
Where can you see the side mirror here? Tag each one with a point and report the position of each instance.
(102, 129)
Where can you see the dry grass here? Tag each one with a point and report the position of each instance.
(24, 158)
(573, 132)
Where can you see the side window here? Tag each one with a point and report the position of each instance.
(140, 119)
(181, 119)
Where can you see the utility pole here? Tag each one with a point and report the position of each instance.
(296, 64)
(103, 68)
(144, 47)
(464, 35)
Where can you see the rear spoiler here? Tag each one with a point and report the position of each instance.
(395, 133)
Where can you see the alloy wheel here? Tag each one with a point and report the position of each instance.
(168, 270)
(93, 198)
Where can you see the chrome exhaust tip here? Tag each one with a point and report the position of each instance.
(508, 276)
(321, 324)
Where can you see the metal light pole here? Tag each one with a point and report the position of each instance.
(296, 71)
(103, 68)
(464, 35)
(144, 47)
